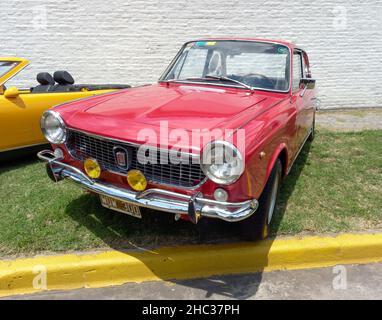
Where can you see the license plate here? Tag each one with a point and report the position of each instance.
(121, 206)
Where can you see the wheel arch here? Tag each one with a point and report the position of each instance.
(281, 152)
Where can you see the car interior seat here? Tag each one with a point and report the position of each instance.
(46, 83)
(215, 65)
(64, 82)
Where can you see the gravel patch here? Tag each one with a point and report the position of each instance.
(350, 119)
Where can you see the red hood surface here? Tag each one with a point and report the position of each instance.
(183, 106)
(187, 107)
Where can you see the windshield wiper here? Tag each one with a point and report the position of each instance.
(229, 79)
(207, 77)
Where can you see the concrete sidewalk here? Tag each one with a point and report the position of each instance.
(340, 282)
(350, 119)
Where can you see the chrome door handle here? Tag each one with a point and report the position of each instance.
(303, 91)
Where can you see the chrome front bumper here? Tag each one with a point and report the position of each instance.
(194, 206)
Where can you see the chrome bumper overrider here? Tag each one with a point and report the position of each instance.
(194, 206)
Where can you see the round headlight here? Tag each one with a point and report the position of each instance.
(222, 162)
(53, 127)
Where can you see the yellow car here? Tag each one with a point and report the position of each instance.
(21, 109)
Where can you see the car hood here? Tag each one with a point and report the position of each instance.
(177, 106)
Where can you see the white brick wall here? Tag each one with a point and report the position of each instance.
(119, 41)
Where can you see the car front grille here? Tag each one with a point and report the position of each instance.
(184, 174)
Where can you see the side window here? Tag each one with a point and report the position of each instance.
(297, 70)
(6, 66)
(175, 72)
(306, 67)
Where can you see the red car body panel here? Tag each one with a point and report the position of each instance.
(275, 124)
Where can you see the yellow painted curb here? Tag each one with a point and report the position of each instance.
(113, 267)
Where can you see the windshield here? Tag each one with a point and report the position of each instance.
(6, 66)
(256, 64)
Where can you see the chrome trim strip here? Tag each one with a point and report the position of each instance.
(156, 199)
(49, 157)
(303, 91)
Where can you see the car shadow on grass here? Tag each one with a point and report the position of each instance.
(14, 161)
(121, 232)
(11, 160)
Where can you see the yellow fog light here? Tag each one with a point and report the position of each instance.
(92, 168)
(136, 180)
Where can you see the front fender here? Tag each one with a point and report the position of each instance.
(280, 152)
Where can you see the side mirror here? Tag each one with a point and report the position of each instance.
(11, 92)
(308, 83)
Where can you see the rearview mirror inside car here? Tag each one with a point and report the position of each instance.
(11, 92)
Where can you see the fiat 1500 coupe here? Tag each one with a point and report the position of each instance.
(213, 138)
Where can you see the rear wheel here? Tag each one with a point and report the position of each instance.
(256, 227)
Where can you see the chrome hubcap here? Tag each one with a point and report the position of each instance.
(273, 198)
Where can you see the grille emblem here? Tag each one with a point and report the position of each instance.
(121, 157)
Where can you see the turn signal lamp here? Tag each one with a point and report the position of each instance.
(92, 168)
(136, 180)
(220, 195)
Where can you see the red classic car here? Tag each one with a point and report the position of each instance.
(212, 139)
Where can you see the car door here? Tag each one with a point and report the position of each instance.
(9, 131)
(19, 121)
(302, 125)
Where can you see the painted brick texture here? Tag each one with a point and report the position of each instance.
(133, 41)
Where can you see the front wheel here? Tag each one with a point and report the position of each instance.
(256, 227)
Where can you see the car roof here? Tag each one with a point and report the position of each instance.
(286, 43)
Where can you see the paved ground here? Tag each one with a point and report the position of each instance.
(350, 120)
(341, 282)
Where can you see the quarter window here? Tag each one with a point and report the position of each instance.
(6, 66)
(305, 63)
(297, 70)
(192, 64)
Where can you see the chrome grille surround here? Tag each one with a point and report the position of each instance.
(83, 145)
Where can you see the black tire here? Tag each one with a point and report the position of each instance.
(312, 134)
(256, 227)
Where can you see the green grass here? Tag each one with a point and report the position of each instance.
(335, 185)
